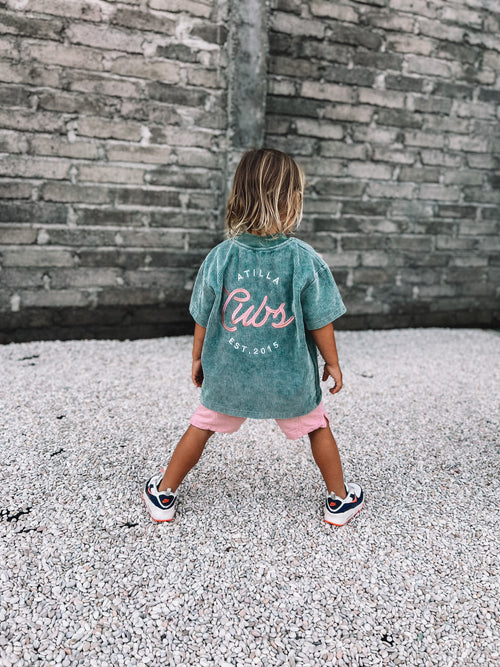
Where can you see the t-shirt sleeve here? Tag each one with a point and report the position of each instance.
(321, 301)
(202, 298)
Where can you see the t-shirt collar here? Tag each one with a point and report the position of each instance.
(254, 241)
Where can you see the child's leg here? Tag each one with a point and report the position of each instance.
(186, 455)
(327, 457)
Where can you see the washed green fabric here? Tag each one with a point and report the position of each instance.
(258, 298)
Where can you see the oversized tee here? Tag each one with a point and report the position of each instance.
(259, 298)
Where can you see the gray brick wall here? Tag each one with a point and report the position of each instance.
(121, 122)
(392, 107)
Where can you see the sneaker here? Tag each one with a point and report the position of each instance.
(161, 505)
(338, 511)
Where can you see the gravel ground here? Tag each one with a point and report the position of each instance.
(248, 573)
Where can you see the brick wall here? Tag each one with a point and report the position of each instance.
(120, 124)
(392, 106)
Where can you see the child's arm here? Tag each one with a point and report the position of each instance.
(197, 371)
(325, 342)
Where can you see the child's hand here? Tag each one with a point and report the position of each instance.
(336, 374)
(197, 373)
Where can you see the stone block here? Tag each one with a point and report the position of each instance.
(365, 208)
(198, 76)
(295, 145)
(67, 192)
(369, 275)
(380, 61)
(15, 190)
(463, 177)
(444, 242)
(431, 66)
(188, 6)
(105, 37)
(145, 197)
(439, 192)
(476, 109)
(333, 10)
(322, 50)
(92, 104)
(30, 211)
(357, 76)
(64, 55)
(456, 211)
(382, 98)
(15, 96)
(358, 243)
(481, 195)
(396, 156)
(36, 256)
(354, 113)
(428, 139)
(15, 23)
(340, 149)
(319, 128)
(30, 121)
(406, 83)
(182, 178)
(76, 10)
(279, 86)
(441, 105)
(138, 154)
(436, 123)
(58, 146)
(33, 75)
(369, 170)
(391, 190)
(420, 174)
(135, 66)
(137, 20)
(398, 118)
(299, 67)
(31, 167)
(294, 25)
(411, 44)
(440, 157)
(468, 144)
(176, 94)
(54, 298)
(354, 35)
(78, 278)
(338, 188)
(210, 33)
(321, 205)
(390, 21)
(419, 244)
(105, 173)
(379, 136)
(17, 235)
(105, 128)
(103, 84)
(326, 91)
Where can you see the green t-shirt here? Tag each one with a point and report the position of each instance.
(258, 298)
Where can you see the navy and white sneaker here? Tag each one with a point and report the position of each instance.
(338, 511)
(161, 505)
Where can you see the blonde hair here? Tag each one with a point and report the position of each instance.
(267, 194)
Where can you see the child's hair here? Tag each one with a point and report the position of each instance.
(267, 194)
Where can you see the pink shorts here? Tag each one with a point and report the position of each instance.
(293, 428)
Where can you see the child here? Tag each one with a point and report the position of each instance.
(263, 302)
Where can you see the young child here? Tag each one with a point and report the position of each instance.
(263, 303)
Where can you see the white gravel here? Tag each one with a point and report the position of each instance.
(248, 573)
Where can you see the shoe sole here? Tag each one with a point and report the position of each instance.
(145, 501)
(358, 510)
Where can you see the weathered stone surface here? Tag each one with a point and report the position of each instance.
(121, 127)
